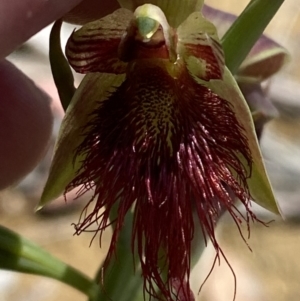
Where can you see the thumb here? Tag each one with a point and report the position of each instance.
(25, 124)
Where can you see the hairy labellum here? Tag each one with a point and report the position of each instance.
(168, 147)
(166, 141)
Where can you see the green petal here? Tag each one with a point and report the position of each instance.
(94, 47)
(259, 184)
(94, 89)
(199, 45)
(176, 11)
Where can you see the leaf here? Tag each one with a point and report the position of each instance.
(253, 21)
(61, 71)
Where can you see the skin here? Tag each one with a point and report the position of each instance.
(90, 10)
(25, 113)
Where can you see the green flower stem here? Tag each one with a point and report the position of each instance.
(246, 30)
(20, 255)
(122, 280)
(61, 71)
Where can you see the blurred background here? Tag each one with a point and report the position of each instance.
(271, 272)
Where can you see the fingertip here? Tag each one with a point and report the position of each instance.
(90, 10)
(25, 18)
(25, 124)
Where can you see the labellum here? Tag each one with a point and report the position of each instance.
(158, 126)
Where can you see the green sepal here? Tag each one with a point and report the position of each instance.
(94, 88)
(176, 11)
(259, 184)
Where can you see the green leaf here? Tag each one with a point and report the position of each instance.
(20, 255)
(246, 30)
(94, 88)
(61, 71)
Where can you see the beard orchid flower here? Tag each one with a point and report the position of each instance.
(158, 126)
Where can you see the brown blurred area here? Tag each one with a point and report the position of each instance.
(271, 272)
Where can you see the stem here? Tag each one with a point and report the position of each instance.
(20, 255)
(121, 280)
(246, 30)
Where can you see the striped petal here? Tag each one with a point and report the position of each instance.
(94, 47)
(176, 11)
(200, 47)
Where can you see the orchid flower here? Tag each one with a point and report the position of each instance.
(158, 126)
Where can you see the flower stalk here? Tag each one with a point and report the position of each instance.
(20, 255)
(118, 279)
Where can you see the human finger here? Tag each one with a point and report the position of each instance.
(90, 10)
(19, 20)
(25, 124)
